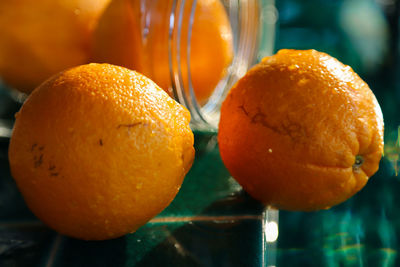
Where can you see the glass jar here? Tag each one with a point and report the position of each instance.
(251, 28)
(193, 49)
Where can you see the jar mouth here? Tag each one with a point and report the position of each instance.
(245, 22)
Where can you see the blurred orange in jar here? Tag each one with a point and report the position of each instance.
(40, 38)
(136, 34)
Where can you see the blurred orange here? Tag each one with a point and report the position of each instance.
(41, 38)
(98, 150)
(135, 34)
(301, 131)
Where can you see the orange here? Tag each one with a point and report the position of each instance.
(301, 131)
(98, 150)
(135, 34)
(41, 38)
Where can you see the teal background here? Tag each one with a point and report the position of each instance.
(212, 222)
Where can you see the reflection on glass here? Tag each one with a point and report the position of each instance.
(270, 236)
(343, 239)
(5, 128)
(271, 232)
(392, 149)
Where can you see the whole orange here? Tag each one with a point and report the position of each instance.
(301, 131)
(40, 38)
(98, 150)
(136, 34)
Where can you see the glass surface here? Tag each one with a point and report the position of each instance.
(212, 222)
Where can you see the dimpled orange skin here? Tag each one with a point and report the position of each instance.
(120, 39)
(292, 128)
(98, 150)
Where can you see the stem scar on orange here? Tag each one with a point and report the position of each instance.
(301, 131)
(98, 150)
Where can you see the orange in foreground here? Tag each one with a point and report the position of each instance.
(135, 34)
(98, 150)
(40, 38)
(301, 131)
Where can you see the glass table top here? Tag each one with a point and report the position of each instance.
(212, 222)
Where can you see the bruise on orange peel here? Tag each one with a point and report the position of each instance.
(301, 131)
